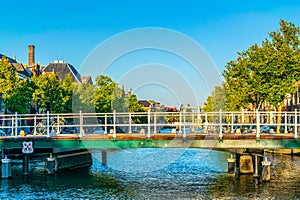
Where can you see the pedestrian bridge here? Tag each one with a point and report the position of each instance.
(214, 130)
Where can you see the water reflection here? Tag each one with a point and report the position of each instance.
(197, 174)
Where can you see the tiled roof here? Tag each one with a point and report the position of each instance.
(86, 79)
(63, 69)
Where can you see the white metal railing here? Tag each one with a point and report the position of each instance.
(148, 123)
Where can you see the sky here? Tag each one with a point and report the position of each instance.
(75, 31)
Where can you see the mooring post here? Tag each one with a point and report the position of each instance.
(256, 175)
(114, 127)
(296, 125)
(25, 164)
(231, 165)
(266, 171)
(50, 165)
(104, 157)
(5, 168)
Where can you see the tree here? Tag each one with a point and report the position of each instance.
(48, 93)
(83, 97)
(264, 73)
(67, 88)
(8, 79)
(105, 87)
(20, 99)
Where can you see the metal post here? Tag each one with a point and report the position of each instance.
(232, 121)
(81, 130)
(180, 122)
(184, 123)
(296, 125)
(48, 122)
(34, 127)
(114, 127)
(149, 125)
(16, 124)
(25, 164)
(154, 123)
(12, 125)
(58, 126)
(256, 175)
(220, 131)
(257, 125)
(130, 124)
(285, 123)
(104, 157)
(105, 123)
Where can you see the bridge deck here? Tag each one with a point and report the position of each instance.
(235, 141)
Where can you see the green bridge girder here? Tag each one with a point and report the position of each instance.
(286, 141)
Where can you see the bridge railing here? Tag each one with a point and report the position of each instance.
(245, 122)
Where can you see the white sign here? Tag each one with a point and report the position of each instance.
(27, 147)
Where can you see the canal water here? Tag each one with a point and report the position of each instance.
(155, 174)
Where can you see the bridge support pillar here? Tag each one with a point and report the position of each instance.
(231, 165)
(5, 168)
(25, 164)
(266, 171)
(104, 157)
(246, 164)
(256, 166)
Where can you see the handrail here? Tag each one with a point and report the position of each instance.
(149, 123)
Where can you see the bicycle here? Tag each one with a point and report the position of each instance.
(41, 128)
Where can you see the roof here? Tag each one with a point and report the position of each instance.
(10, 59)
(86, 79)
(63, 69)
(22, 71)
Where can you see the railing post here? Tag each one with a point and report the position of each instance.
(232, 121)
(184, 124)
(16, 124)
(257, 125)
(81, 130)
(130, 124)
(12, 125)
(285, 123)
(296, 125)
(154, 123)
(48, 120)
(105, 123)
(114, 127)
(34, 125)
(58, 126)
(180, 122)
(149, 125)
(220, 131)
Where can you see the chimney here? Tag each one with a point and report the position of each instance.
(30, 55)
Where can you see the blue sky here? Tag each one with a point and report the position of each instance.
(70, 30)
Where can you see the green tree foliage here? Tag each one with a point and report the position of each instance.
(133, 104)
(48, 91)
(20, 99)
(67, 88)
(264, 73)
(216, 101)
(83, 98)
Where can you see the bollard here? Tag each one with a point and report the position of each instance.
(104, 157)
(6, 168)
(25, 164)
(50, 165)
(266, 171)
(231, 166)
